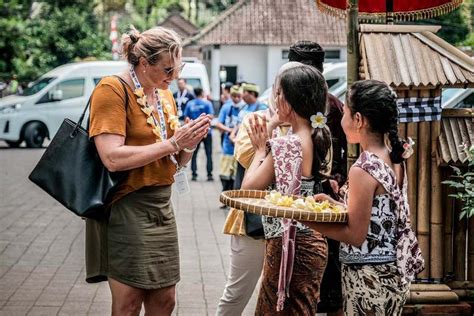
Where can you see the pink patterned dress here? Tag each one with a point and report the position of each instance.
(295, 256)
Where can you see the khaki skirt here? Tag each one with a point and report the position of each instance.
(138, 244)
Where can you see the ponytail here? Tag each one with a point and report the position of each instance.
(396, 143)
(321, 145)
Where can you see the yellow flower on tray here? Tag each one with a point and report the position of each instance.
(299, 203)
(285, 201)
(308, 204)
(273, 197)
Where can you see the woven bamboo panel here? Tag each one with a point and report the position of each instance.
(253, 201)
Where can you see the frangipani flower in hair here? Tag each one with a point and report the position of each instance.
(318, 120)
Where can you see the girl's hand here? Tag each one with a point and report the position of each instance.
(258, 133)
(324, 197)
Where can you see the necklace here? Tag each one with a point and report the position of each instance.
(162, 106)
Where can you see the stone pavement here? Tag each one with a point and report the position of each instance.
(42, 247)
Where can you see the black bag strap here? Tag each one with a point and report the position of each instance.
(79, 123)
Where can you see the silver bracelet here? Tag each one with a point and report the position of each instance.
(175, 144)
(189, 151)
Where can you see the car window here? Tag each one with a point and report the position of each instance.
(466, 103)
(332, 82)
(38, 85)
(193, 82)
(73, 88)
(96, 81)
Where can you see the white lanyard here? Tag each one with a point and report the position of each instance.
(158, 107)
(181, 97)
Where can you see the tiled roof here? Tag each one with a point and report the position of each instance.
(412, 56)
(273, 22)
(457, 131)
(180, 25)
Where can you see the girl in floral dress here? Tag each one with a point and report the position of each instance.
(295, 256)
(379, 251)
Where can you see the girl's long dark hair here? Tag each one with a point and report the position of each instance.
(377, 102)
(305, 89)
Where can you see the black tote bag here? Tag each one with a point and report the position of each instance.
(71, 171)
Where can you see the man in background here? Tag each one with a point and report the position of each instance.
(227, 121)
(193, 110)
(182, 97)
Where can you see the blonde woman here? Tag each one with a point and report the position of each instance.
(135, 127)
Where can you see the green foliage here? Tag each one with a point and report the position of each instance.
(61, 32)
(37, 36)
(463, 183)
(469, 42)
(454, 25)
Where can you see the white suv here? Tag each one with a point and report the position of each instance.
(59, 94)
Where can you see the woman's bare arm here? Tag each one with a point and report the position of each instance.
(116, 156)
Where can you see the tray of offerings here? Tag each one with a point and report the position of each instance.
(274, 204)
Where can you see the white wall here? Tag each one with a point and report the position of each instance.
(251, 62)
(256, 64)
(274, 62)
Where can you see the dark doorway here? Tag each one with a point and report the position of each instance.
(231, 73)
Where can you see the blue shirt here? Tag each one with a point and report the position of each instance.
(249, 108)
(196, 107)
(229, 116)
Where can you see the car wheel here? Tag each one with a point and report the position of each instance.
(35, 133)
(13, 144)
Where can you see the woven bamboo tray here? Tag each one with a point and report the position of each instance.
(253, 201)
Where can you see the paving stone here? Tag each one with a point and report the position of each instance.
(74, 308)
(43, 311)
(42, 248)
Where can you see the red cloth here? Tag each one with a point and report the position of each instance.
(379, 6)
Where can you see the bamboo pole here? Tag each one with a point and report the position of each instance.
(424, 184)
(470, 250)
(459, 244)
(464, 294)
(461, 285)
(436, 216)
(432, 297)
(448, 229)
(352, 65)
(414, 287)
(402, 130)
(412, 174)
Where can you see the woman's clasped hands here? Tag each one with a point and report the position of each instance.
(191, 133)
